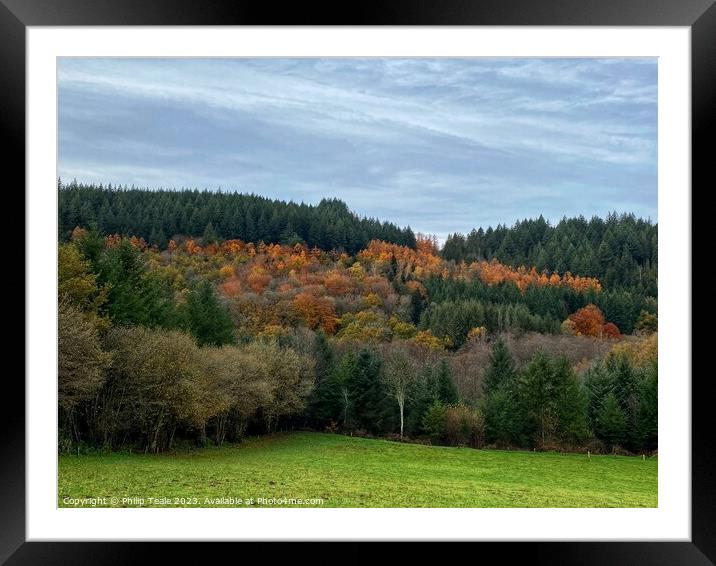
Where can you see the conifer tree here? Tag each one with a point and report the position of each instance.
(206, 317)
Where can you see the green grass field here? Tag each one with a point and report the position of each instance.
(355, 472)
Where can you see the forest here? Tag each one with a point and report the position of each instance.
(188, 318)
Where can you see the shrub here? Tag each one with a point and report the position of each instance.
(464, 426)
(434, 421)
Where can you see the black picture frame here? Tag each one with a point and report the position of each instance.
(17, 15)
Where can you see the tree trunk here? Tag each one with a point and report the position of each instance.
(345, 406)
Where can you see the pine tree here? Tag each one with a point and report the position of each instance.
(206, 318)
(648, 411)
(536, 399)
(416, 307)
(611, 422)
(501, 371)
(571, 402)
(325, 400)
(369, 399)
(499, 395)
(446, 390)
(210, 236)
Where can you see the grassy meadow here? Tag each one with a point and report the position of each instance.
(341, 471)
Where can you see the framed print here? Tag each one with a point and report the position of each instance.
(292, 277)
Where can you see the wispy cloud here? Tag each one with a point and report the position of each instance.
(440, 144)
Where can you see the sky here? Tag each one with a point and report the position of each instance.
(442, 145)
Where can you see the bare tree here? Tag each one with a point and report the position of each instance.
(400, 373)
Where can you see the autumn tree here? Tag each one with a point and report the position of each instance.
(234, 390)
(81, 362)
(647, 323)
(154, 382)
(291, 377)
(76, 283)
(588, 321)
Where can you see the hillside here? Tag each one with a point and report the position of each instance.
(210, 337)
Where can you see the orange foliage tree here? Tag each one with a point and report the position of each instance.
(589, 321)
(259, 279)
(493, 272)
(316, 311)
(610, 330)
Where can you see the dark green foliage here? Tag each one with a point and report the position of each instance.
(433, 422)
(206, 317)
(647, 414)
(324, 403)
(537, 402)
(446, 389)
(435, 385)
(635, 392)
(538, 308)
(454, 320)
(551, 402)
(417, 304)
(155, 215)
(135, 297)
(501, 418)
(421, 395)
(369, 402)
(571, 400)
(611, 425)
(501, 371)
(626, 390)
(620, 250)
(210, 236)
(500, 400)
(91, 244)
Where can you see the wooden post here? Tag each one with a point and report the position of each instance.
(589, 454)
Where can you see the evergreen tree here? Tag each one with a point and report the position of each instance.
(538, 412)
(572, 403)
(499, 398)
(325, 400)
(501, 371)
(611, 422)
(647, 416)
(501, 419)
(369, 399)
(206, 317)
(157, 238)
(210, 236)
(416, 307)
(446, 390)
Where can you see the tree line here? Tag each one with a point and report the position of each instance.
(157, 216)
(539, 308)
(620, 250)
